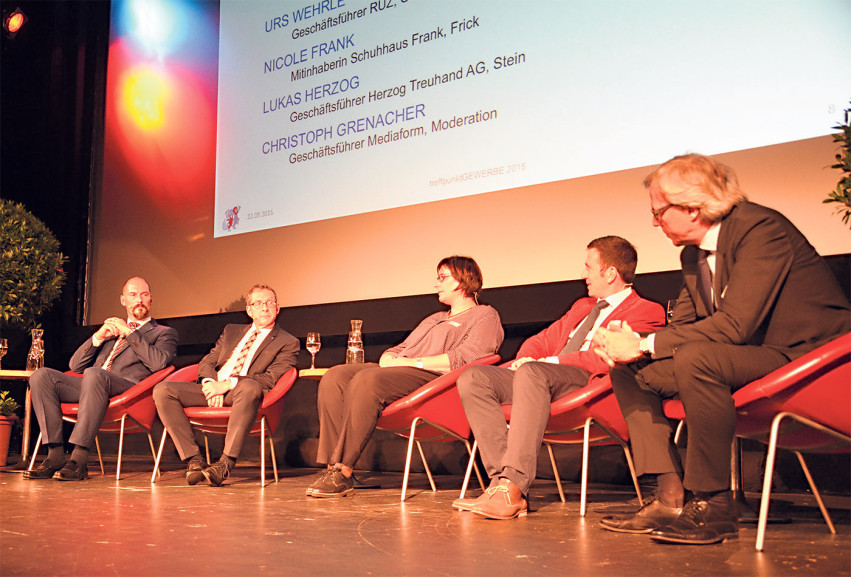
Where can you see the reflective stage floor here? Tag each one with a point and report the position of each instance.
(133, 527)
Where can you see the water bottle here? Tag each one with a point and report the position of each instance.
(354, 352)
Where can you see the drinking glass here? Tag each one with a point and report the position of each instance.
(313, 345)
(4, 346)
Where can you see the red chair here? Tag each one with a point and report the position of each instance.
(813, 390)
(588, 416)
(137, 403)
(215, 419)
(432, 413)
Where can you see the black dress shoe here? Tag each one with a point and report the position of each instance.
(72, 471)
(703, 522)
(652, 515)
(43, 471)
(194, 470)
(217, 473)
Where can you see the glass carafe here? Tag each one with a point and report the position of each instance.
(35, 358)
(354, 351)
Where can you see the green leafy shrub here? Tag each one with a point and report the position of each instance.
(842, 194)
(30, 266)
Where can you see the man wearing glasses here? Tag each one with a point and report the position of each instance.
(755, 296)
(244, 365)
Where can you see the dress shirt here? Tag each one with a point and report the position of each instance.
(709, 243)
(614, 301)
(227, 368)
(141, 323)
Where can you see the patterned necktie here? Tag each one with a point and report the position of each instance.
(243, 353)
(578, 339)
(704, 280)
(120, 345)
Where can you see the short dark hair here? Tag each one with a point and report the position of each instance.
(465, 270)
(617, 252)
(259, 287)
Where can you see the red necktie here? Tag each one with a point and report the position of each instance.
(120, 345)
(243, 354)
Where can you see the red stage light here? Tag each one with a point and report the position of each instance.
(14, 22)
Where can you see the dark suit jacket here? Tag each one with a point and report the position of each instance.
(771, 288)
(276, 355)
(150, 348)
(642, 315)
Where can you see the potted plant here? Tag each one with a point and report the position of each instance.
(842, 194)
(8, 419)
(31, 274)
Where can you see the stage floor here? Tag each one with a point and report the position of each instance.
(133, 527)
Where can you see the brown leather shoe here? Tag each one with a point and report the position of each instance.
(468, 503)
(653, 515)
(44, 471)
(217, 473)
(502, 501)
(194, 470)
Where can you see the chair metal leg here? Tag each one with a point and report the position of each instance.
(816, 494)
(100, 459)
(470, 465)
(271, 448)
(678, 432)
(631, 465)
(425, 465)
(411, 440)
(207, 447)
(35, 452)
(475, 466)
(120, 448)
(263, 452)
(158, 457)
(586, 442)
(153, 450)
(555, 472)
(769, 473)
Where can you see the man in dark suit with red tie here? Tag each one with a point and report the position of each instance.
(549, 365)
(119, 355)
(755, 296)
(244, 365)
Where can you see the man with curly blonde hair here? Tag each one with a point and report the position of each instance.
(755, 296)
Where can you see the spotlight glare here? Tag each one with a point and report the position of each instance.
(13, 23)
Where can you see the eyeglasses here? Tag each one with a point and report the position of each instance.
(261, 304)
(443, 276)
(657, 214)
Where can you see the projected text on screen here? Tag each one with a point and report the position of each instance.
(338, 107)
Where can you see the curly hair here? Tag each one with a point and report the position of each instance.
(697, 181)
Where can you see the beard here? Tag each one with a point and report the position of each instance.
(140, 312)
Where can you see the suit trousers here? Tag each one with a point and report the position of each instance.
(49, 388)
(513, 452)
(350, 401)
(703, 375)
(244, 400)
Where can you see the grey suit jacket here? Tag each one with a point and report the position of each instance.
(276, 355)
(771, 289)
(150, 348)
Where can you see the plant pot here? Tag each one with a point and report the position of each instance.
(5, 434)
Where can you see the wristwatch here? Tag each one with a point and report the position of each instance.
(419, 363)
